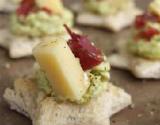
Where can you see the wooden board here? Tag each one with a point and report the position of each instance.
(145, 93)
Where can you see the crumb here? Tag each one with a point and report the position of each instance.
(139, 115)
(151, 113)
(132, 106)
(127, 121)
(7, 65)
(148, 104)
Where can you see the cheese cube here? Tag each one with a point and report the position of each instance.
(63, 70)
(155, 7)
(55, 6)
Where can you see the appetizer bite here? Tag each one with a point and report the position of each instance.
(111, 14)
(32, 22)
(70, 85)
(141, 53)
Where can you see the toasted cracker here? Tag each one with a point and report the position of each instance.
(27, 99)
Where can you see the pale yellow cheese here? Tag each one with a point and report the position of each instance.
(55, 6)
(155, 7)
(62, 69)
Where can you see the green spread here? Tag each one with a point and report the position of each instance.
(98, 77)
(106, 7)
(41, 23)
(147, 49)
(43, 82)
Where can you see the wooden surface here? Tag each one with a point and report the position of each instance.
(145, 93)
